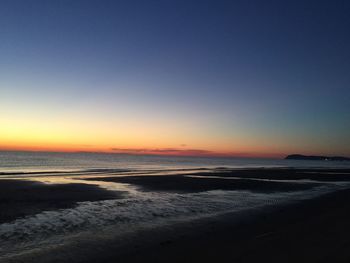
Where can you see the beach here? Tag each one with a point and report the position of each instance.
(176, 215)
(314, 231)
(174, 131)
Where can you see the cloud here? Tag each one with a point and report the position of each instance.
(165, 151)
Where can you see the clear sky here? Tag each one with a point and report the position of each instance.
(248, 78)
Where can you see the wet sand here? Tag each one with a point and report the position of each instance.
(20, 198)
(312, 231)
(321, 175)
(220, 180)
(315, 230)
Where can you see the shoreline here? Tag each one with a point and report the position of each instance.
(314, 230)
(311, 230)
(22, 198)
(27, 173)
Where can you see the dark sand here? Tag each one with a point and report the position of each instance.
(188, 184)
(23, 198)
(316, 230)
(312, 231)
(322, 175)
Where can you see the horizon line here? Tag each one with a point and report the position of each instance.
(180, 154)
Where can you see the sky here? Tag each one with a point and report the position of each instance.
(232, 78)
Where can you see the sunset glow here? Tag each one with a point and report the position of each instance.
(174, 131)
(77, 84)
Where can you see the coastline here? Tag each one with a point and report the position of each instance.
(314, 230)
(21, 198)
(311, 230)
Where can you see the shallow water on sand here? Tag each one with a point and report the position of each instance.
(137, 210)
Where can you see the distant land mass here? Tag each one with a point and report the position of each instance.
(316, 158)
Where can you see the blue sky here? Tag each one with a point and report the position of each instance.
(269, 74)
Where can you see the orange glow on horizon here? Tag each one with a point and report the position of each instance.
(183, 151)
(76, 135)
(140, 138)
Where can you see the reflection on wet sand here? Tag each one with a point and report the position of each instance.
(55, 209)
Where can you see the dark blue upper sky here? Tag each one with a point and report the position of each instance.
(274, 72)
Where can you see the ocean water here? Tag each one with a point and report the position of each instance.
(110, 219)
(23, 162)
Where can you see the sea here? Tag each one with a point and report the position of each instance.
(29, 162)
(95, 223)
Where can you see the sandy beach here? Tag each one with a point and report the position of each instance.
(309, 230)
(174, 131)
(21, 198)
(313, 231)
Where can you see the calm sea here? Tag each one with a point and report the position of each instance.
(50, 161)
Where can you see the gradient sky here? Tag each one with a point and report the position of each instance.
(248, 78)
